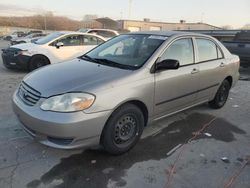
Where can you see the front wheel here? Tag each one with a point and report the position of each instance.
(37, 62)
(123, 129)
(221, 96)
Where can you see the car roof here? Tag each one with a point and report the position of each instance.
(70, 32)
(90, 29)
(104, 30)
(79, 33)
(167, 33)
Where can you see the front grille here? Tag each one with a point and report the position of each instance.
(28, 95)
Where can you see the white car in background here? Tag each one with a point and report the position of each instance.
(54, 48)
(106, 33)
(29, 38)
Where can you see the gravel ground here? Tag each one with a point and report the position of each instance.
(198, 163)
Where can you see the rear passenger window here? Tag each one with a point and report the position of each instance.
(207, 50)
(181, 50)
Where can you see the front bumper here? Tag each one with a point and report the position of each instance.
(60, 130)
(15, 62)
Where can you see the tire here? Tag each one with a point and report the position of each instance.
(37, 62)
(123, 129)
(221, 96)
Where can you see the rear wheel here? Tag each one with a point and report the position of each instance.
(123, 129)
(221, 96)
(37, 62)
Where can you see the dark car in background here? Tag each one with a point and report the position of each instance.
(241, 47)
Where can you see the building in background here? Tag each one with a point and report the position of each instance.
(145, 25)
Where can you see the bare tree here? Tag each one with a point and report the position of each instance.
(37, 22)
(227, 27)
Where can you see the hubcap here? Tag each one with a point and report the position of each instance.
(40, 62)
(125, 129)
(223, 94)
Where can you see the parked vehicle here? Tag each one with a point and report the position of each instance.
(25, 34)
(109, 95)
(35, 31)
(15, 34)
(27, 39)
(106, 33)
(241, 47)
(53, 48)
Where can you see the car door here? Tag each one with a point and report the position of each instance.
(177, 89)
(72, 48)
(211, 65)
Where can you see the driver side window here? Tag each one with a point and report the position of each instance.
(181, 50)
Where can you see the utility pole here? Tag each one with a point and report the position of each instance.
(45, 23)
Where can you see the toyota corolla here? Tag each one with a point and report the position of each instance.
(107, 96)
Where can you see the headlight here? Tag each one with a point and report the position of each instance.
(21, 52)
(69, 102)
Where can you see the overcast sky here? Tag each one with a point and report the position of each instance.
(216, 12)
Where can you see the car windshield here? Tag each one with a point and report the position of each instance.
(48, 38)
(126, 51)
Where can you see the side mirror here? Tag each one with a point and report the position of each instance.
(167, 64)
(59, 44)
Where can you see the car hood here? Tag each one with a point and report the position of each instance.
(25, 46)
(72, 76)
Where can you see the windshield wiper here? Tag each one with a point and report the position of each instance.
(113, 63)
(88, 58)
(107, 62)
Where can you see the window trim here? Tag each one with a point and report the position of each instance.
(217, 48)
(176, 39)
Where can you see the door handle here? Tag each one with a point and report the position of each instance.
(222, 65)
(194, 71)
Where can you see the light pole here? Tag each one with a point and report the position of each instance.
(45, 22)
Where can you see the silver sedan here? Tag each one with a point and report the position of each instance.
(107, 96)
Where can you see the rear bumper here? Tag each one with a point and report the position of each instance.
(15, 62)
(60, 130)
